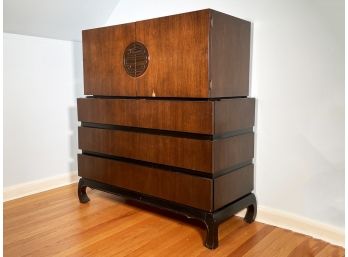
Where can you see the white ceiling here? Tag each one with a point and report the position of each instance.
(60, 19)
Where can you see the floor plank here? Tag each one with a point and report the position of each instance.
(54, 223)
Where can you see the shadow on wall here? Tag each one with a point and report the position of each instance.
(77, 92)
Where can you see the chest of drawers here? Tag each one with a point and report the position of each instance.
(167, 121)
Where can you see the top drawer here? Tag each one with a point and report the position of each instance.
(199, 54)
(202, 117)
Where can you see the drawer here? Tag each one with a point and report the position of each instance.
(202, 117)
(181, 188)
(190, 153)
(184, 116)
(198, 192)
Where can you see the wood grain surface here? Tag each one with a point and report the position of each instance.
(54, 223)
(178, 49)
(103, 70)
(229, 55)
(181, 188)
(189, 153)
(172, 115)
(233, 185)
(233, 114)
(187, 189)
(203, 117)
(231, 151)
(201, 54)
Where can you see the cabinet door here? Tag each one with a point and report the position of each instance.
(103, 50)
(178, 55)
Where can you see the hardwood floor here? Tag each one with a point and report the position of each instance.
(54, 223)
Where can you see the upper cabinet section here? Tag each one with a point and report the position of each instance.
(202, 54)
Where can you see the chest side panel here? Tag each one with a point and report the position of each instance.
(233, 151)
(229, 55)
(234, 114)
(230, 187)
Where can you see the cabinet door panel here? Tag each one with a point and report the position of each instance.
(103, 51)
(178, 51)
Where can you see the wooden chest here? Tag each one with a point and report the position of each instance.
(168, 122)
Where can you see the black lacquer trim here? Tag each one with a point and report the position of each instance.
(149, 164)
(133, 195)
(147, 130)
(167, 132)
(210, 219)
(166, 98)
(168, 167)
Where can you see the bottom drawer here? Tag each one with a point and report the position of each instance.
(182, 188)
(198, 192)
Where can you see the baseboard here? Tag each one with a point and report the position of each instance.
(299, 224)
(36, 186)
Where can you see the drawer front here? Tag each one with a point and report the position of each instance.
(183, 116)
(181, 152)
(230, 187)
(181, 188)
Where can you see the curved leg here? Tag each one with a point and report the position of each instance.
(251, 211)
(212, 240)
(81, 191)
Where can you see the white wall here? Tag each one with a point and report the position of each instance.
(42, 78)
(298, 80)
(59, 19)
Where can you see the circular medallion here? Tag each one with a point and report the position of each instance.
(135, 59)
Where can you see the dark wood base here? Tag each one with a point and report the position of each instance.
(211, 219)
